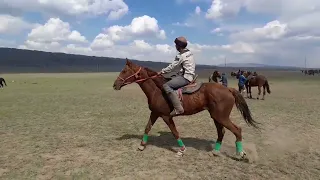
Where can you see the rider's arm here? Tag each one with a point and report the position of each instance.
(177, 61)
(244, 78)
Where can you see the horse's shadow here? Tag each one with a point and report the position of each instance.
(166, 141)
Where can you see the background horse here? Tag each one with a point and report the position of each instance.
(195, 97)
(259, 81)
(214, 76)
(2, 81)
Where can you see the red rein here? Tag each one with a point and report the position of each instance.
(136, 76)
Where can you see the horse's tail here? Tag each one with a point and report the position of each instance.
(242, 106)
(267, 86)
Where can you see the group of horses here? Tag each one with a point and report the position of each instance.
(253, 80)
(310, 71)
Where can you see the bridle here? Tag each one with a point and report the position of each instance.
(136, 76)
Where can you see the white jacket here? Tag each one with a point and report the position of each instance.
(185, 61)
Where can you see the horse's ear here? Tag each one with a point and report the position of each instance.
(128, 62)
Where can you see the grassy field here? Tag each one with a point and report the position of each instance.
(75, 126)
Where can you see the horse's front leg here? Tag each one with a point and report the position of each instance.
(247, 88)
(175, 133)
(152, 119)
(250, 92)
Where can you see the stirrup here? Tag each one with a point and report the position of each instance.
(175, 112)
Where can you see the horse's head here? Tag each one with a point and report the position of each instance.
(246, 73)
(217, 74)
(131, 73)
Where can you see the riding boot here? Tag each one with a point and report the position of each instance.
(178, 109)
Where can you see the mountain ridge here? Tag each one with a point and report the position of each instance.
(13, 60)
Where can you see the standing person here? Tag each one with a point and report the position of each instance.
(242, 81)
(185, 61)
(224, 80)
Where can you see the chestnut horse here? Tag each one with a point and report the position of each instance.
(259, 81)
(195, 97)
(214, 76)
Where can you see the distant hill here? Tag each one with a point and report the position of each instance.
(29, 61)
(256, 65)
(26, 61)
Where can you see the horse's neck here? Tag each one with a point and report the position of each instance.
(214, 78)
(149, 88)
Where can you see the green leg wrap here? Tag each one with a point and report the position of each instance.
(180, 142)
(145, 138)
(239, 146)
(217, 146)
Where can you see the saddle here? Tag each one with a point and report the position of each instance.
(190, 88)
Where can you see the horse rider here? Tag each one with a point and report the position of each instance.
(241, 82)
(224, 80)
(184, 59)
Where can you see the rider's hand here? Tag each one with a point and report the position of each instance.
(159, 73)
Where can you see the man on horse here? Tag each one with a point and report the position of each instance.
(241, 82)
(185, 61)
(224, 80)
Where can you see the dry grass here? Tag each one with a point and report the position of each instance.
(75, 126)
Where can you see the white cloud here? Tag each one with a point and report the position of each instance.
(197, 10)
(114, 9)
(194, 20)
(144, 26)
(272, 30)
(223, 8)
(55, 30)
(216, 30)
(182, 24)
(13, 25)
(191, 1)
(50, 35)
(142, 46)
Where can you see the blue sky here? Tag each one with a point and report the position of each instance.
(278, 32)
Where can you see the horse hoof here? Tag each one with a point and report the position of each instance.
(216, 153)
(180, 153)
(242, 156)
(141, 147)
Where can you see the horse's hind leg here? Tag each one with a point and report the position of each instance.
(152, 119)
(169, 121)
(226, 122)
(222, 118)
(264, 91)
(220, 131)
(259, 91)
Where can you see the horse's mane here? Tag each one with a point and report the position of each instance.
(159, 81)
(150, 72)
